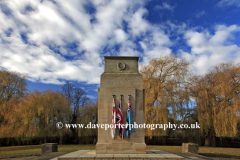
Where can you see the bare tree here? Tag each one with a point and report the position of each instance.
(77, 98)
(13, 87)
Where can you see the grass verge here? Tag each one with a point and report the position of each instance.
(36, 149)
(205, 151)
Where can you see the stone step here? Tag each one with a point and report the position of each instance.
(91, 155)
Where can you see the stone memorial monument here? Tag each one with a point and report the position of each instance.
(120, 78)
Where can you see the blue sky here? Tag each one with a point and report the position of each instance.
(54, 41)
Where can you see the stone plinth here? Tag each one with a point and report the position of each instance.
(91, 155)
(49, 147)
(190, 147)
(121, 77)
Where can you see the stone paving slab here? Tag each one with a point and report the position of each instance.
(159, 152)
(104, 156)
(91, 155)
(91, 152)
(138, 156)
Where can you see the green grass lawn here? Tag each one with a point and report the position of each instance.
(165, 148)
(219, 150)
(36, 149)
(202, 150)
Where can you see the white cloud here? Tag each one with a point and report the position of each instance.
(49, 24)
(45, 65)
(208, 50)
(137, 24)
(154, 41)
(55, 42)
(120, 35)
(44, 26)
(109, 18)
(177, 29)
(200, 14)
(155, 44)
(165, 6)
(49, 28)
(224, 3)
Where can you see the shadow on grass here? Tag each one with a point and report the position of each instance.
(219, 155)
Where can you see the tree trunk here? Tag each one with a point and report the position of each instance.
(207, 141)
(74, 130)
(61, 138)
(210, 139)
(45, 139)
(19, 141)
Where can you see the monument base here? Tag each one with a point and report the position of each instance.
(91, 155)
(120, 148)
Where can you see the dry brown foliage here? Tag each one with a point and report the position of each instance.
(166, 95)
(217, 97)
(36, 115)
